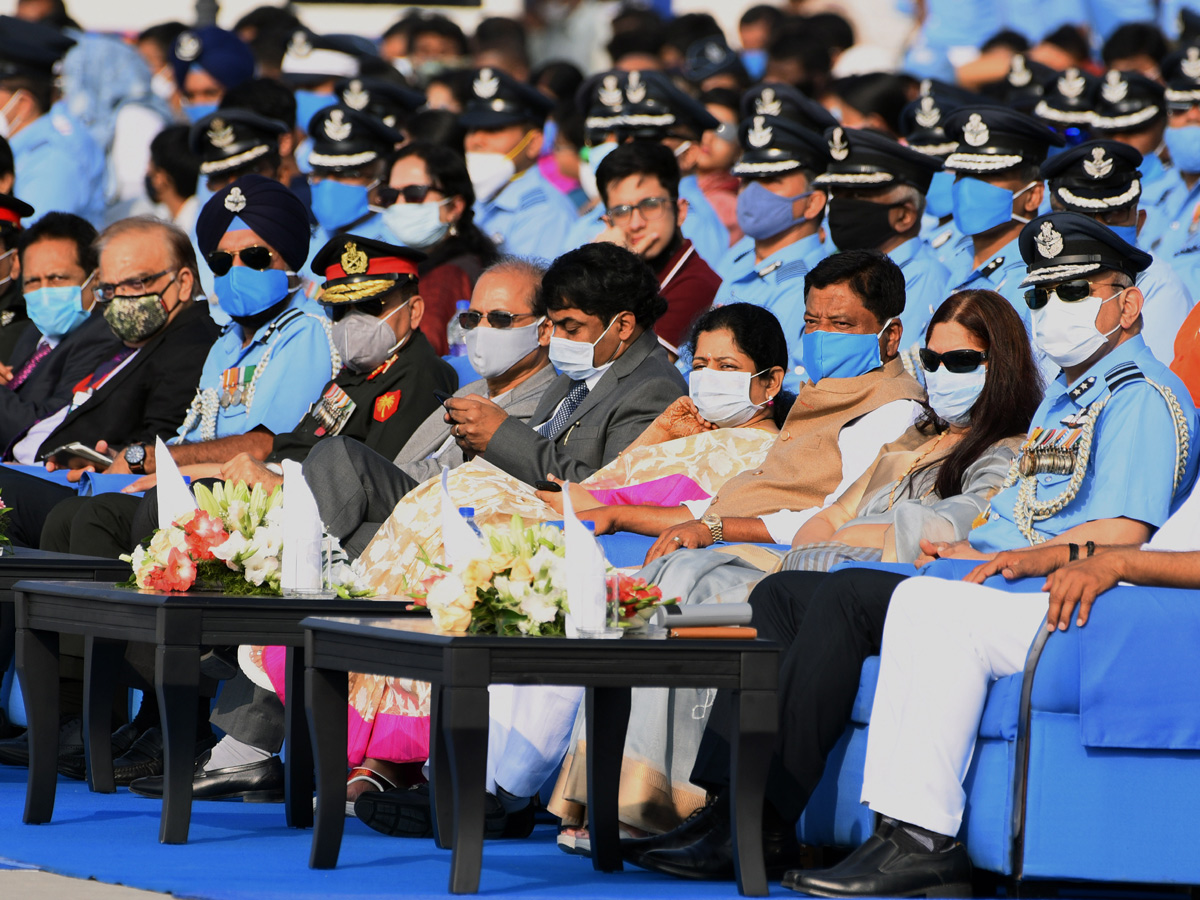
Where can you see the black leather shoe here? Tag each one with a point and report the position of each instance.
(408, 812)
(258, 782)
(884, 867)
(145, 757)
(123, 739)
(15, 751)
(694, 827)
(710, 857)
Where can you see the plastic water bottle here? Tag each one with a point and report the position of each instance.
(456, 335)
(468, 513)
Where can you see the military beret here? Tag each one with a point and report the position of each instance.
(232, 138)
(357, 269)
(1062, 245)
(346, 139)
(264, 206)
(992, 138)
(499, 100)
(1126, 101)
(771, 145)
(1095, 176)
(867, 159)
(388, 102)
(218, 52)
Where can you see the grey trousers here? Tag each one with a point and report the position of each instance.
(252, 715)
(356, 490)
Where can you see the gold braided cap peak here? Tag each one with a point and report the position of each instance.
(358, 290)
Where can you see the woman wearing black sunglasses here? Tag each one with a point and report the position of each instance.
(428, 206)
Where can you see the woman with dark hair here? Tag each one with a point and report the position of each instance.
(428, 205)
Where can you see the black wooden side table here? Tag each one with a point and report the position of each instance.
(461, 666)
(179, 624)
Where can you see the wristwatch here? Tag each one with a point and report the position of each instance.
(715, 526)
(135, 458)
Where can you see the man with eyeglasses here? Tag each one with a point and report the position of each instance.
(639, 184)
(13, 319)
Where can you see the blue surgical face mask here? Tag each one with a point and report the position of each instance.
(197, 111)
(755, 62)
(309, 104)
(1152, 168)
(835, 354)
(576, 359)
(336, 203)
(57, 311)
(303, 152)
(243, 291)
(939, 200)
(1184, 146)
(980, 207)
(417, 225)
(1127, 233)
(952, 395)
(762, 214)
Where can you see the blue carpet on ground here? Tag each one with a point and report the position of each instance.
(242, 851)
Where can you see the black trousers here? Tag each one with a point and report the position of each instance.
(108, 525)
(827, 625)
(30, 500)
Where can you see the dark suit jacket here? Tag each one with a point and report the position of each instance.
(52, 384)
(150, 396)
(627, 398)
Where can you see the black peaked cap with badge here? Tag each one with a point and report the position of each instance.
(1181, 72)
(30, 49)
(1127, 101)
(1070, 99)
(231, 138)
(390, 103)
(12, 211)
(267, 208)
(1064, 245)
(498, 100)
(859, 158)
(772, 146)
(711, 56)
(992, 138)
(343, 138)
(357, 269)
(311, 59)
(1095, 177)
(773, 98)
(923, 121)
(641, 105)
(1023, 86)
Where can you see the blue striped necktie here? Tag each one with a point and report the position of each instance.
(575, 395)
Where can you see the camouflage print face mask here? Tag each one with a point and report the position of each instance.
(133, 319)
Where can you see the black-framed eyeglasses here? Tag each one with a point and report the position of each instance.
(497, 318)
(1067, 291)
(256, 257)
(132, 287)
(412, 193)
(957, 361)
(651, 208)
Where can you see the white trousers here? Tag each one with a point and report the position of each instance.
(529, 727)
(944, 643)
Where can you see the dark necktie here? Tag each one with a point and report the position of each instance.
(23, 373)
(575, 396)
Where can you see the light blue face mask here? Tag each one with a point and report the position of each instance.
(1152, 168)
(1184, 146)
(762, 214)
(56, 311)
(336, 203)
(243, 291)
(197, 111)
(952, 395)
(980, 207)
(835, 354)
(755, 63)
(939, 199)
(1127, 233)
(309, 104)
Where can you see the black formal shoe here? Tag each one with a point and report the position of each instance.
(408, 812)
(710, 856)
(74, 766)
(15, 751)
(694, 827)
(257, 782)
(885, 866)
(145, 757)
(220, 663)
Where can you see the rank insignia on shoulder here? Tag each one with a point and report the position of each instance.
(1082, 388)
(386, 405)
(991, 267)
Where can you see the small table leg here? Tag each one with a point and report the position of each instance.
(298, 774)
(465, 731)
(607, 720)
(101, 659)
(326, 699)
(37, 667)
(756, 715)
(441, 786)
(177, 684)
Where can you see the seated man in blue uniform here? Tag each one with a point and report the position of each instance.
(998, 190)
(1101, 179)
(53, 176)
(877, 194)
(1105, 463)
(522, 212)
(625, 106)
(780, 210)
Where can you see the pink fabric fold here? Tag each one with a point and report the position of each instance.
(670, 490)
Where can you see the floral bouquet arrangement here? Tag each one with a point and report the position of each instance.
(233, 543)
(4, 511)
(520, 588)
(638, 601)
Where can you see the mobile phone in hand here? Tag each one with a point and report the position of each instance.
(552, 487)
(442, 397)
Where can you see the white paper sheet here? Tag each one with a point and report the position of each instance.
(174, 498)
(300, 565)
(585, 573)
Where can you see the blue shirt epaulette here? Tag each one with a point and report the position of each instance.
(797, 268)
(1122, 374)
(941, 239)
(991, 267)
(532, 199)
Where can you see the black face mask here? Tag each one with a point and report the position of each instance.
(859, 224)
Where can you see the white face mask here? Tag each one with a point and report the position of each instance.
(417, 225)
(724, 397)
(587, 169)
(576, 359)
(1067, 333)
(489, 172)
(364, 341)
(493, 351)
(6, 124)
(952, 395)
(162, 84)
